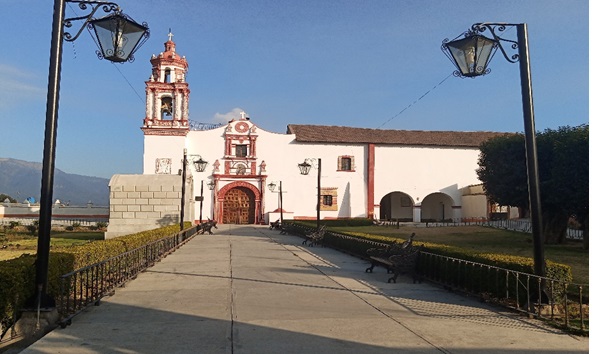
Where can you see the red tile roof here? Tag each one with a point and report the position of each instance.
(335, 134)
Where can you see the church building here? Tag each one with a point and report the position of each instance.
(254, 176)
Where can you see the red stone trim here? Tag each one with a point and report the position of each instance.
(222, 193)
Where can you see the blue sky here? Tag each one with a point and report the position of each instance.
(350, 63)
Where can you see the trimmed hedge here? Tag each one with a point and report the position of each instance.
(18, 276)
(335, 222)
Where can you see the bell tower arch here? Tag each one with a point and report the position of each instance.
(167, 94)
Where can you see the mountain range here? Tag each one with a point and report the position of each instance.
(22, 180)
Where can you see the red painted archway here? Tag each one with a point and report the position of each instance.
(239, 202)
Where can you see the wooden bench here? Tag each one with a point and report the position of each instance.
(207, 226)
(397, 258)
(275, 225)
(315, 237)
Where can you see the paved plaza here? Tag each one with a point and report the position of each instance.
(248, 289)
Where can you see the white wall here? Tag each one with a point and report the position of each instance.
(417, 171)
(156, 146)
(420, 171)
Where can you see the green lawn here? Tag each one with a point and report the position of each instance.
(489, 240)
(20, 243)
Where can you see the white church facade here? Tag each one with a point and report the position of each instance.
(364, 173)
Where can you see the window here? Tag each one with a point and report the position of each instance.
(345, 163)
(329, 199)
(241, 150)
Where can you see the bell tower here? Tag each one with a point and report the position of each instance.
(167, 94)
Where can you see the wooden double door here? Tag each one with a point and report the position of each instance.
(239, 206)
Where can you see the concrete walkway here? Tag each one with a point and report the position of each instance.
(247, 289)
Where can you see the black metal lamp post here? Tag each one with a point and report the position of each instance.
(305, 167)
(200, 166)
(202, 198)
(471, 54)
(272, 187)
(212, 184)
(120, 38)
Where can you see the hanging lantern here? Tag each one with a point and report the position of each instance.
(118, 36)
(471, 54)
(304, 167)
(200, 165)
(272, 186)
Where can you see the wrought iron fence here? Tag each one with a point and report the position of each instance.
(84, 287)
(507, 224)
(564, 304)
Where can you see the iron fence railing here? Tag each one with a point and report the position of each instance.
(564, 304)
(86, 286)
(508, 224)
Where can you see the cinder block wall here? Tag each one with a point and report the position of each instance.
(145, 202)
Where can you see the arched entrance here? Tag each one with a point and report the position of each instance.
(396, 205)
(238, 203)
(437, 207)
(239, 206)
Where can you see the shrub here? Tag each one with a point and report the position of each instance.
(17, 276)
(13, 224)
(101, 225)
(32, 229)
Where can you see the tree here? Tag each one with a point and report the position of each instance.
(3, 197)
(565, 186)
(563, 173)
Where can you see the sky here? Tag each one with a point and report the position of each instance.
(357, 63)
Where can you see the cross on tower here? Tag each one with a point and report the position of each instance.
(242, 115)
(170, 35)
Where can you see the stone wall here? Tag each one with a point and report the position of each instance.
(146, 202)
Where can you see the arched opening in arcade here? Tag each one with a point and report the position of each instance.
(437, 207)
(396, 206)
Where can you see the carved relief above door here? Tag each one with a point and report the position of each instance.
(239, 206)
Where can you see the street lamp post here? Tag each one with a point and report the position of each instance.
(201, 198)
(201, 203)
(200, 165)
(212, 184)
(471, 54)
(183, 199)
(118, 38)
(272, 187)
(305, 167)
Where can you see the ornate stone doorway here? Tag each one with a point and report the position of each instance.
(239, 206)
(239, 203)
